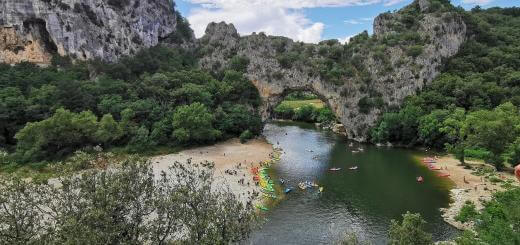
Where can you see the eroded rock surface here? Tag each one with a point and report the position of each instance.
(34, 30)
(445, 32)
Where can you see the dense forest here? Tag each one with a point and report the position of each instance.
(471, 109)
(158, 97)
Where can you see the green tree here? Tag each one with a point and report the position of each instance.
(512, 154)
(131, 205)
(283, 111)
(108, 130)
(59, 135)
(194, 123)
(410, 231)
(304, 113)
(492, 130)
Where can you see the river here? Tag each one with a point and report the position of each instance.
(362, 201)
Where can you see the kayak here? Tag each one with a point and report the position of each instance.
(354, 168)
(335, 169)
(443, 175)
(287, 190)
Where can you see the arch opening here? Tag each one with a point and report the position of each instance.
(305, 106)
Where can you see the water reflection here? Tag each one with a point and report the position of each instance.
(362, 201)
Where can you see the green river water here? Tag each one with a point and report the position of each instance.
(361, 201)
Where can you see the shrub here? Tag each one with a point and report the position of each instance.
(467, 212)
(415, 51)
(239, 63)
(246, 135)
(409, 231)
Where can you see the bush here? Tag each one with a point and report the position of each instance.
(239, 63)
(467, 213)
(129, 205)
(62, 134)
(410, 231)
(283, 111)
(246, 135)
(304, 113)
(194, 124)
(415, 50)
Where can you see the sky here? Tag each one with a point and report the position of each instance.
(309, 21)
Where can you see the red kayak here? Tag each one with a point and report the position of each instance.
(443, 175)
(420, 179)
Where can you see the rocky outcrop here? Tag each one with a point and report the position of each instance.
(34, 30)
(388, 79)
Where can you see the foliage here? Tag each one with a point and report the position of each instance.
(134, 99)
(246, 135)
(415, 50)
(239, 63)
(471, 108)
(497, 223)
(512, 154)
(352, 239)
(312, 110)
(301, 95)
(194, 123)
(409, 231)
(467, 212)
(467, 238)
(127, 206)
(62, 133)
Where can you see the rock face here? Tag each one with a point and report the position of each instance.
(445, 32)
(33, 30)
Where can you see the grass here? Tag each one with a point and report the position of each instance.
(294, 104)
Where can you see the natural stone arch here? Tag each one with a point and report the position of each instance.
(447, 32)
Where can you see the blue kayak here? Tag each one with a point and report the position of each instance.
(288, 190)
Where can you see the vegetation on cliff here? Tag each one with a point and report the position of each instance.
(471, 109)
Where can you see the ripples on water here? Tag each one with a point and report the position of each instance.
(362, 201)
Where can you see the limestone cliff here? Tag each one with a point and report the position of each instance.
(359, 80)
(33, 30)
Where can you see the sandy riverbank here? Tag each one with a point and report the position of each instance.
(468, 187)
(229, 155)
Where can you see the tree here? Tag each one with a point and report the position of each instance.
(512, 154)
(492, 130)
(108, 130)
(190, 93)
(194, 123)
(59, 135)
(429, 128)
(304, 113)
(410, 231)
(283, 111)
(126, 205)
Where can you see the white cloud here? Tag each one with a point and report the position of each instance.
(477, 2)
(353, 22)
(274, 17)
(358, 21)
